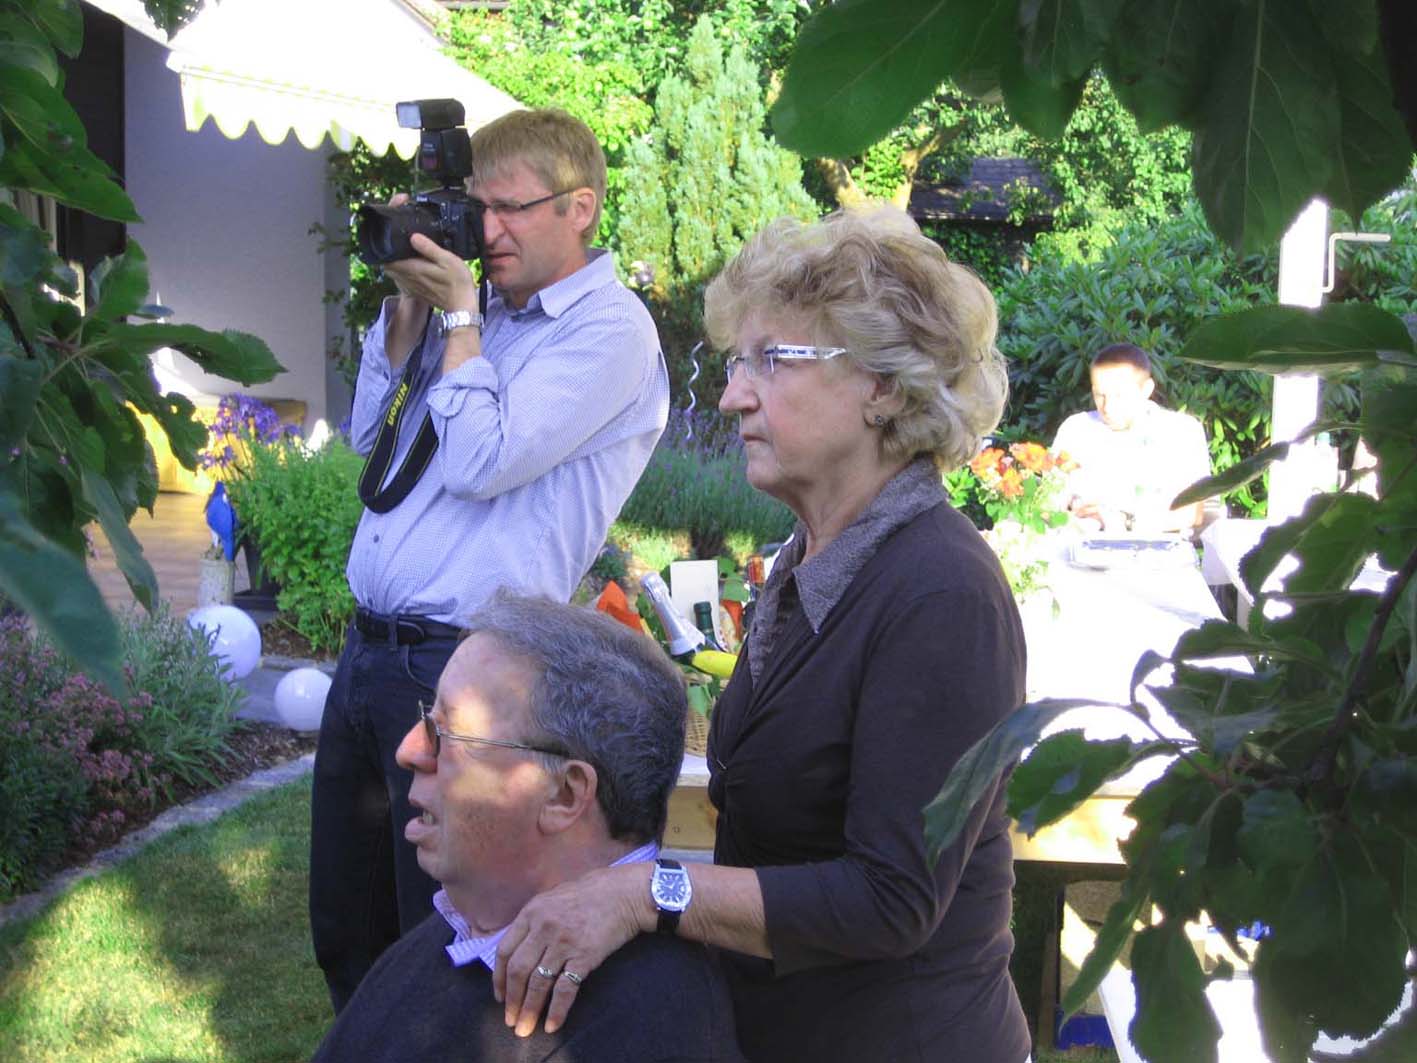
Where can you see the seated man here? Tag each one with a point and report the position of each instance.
(1133, 457)
(550, 750)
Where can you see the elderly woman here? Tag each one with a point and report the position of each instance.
(884, 644)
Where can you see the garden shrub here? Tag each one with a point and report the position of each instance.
(302, 506)
(193, 709)
(695, 482)
(77, 762)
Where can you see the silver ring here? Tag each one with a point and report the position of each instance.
(572, 977)
(545, 972)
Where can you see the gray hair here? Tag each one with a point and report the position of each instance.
(868, 280)
(607, 696)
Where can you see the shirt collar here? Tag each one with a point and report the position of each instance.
(555, 299)
(823, 579)
(466, 948)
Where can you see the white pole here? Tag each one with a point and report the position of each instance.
(1296, 398)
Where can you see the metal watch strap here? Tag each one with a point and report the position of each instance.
(451, 319)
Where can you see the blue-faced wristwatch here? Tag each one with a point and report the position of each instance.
(671, 891)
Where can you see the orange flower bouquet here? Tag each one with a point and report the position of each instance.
(1023, 484)
(1020, 488)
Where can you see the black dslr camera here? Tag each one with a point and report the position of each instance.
(445, 215)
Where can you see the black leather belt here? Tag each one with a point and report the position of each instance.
(403, 630)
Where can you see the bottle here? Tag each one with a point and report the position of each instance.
(755, 574)
(684, 639)
(703, 620)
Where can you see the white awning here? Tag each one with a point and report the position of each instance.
(315, 67)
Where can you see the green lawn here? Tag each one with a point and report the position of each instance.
(196, 949)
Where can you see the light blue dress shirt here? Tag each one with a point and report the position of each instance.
(541, 440)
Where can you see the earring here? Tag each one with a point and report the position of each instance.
(878, 421)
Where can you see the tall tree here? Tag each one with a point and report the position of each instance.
(706, 180)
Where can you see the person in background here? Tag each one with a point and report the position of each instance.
(500, 451)
(1133, 457)
(551, 749)
(885, 643)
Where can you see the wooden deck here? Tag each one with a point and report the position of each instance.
(173, 539)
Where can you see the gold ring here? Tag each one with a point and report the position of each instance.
(572, 977)
(545, 972)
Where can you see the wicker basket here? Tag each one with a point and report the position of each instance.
(696, 729)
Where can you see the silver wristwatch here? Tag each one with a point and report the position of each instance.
(671, 891)
(451, 319)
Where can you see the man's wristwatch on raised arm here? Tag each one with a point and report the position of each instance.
(671, 891)
(451, 319)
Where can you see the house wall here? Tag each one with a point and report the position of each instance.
(226, 231)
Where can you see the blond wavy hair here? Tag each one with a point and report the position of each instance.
(868, 280)
(556, 146)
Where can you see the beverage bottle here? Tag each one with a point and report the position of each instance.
(684, 639)
(703, 620)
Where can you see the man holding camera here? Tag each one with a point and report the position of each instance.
(500, 451)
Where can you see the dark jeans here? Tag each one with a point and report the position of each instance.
(366, 887)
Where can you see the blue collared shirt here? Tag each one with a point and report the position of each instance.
(541, 440)
(466, 948)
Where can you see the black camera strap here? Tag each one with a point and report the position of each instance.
(415, 462)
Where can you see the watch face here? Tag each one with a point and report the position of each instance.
(671, 888)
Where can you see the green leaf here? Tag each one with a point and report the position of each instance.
(1161, 56)
(171, 15)
(53, 587)
(1064, 770)
(1386, 794)
(24, 250)
(1373, 154)
(859, 66)
(979, 768)
(1173, 1022)
(20, 381)
(1352, 26)
(1220, 638)
(1336, 338)
(1276, 829)
(62, 22)
(1042, 108)
(30, 56)
(237, 356)
(1262, 145)
(127, 551)
(1245, 471)
(699, 699)
(39, 110)
(1337, 950)
(1331, 539)
(78, 178)
(120, 284)
(1287, 1035)
(1063, 38)
(1107, 946)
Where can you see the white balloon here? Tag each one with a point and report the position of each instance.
(236, 640)
(300, 698)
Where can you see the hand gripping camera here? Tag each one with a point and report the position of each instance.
(445, 215)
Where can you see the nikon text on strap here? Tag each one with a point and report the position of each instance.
(415, 462)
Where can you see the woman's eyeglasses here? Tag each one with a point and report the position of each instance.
(764, 362)
(436, 735)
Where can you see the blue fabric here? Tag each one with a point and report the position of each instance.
(541, 441)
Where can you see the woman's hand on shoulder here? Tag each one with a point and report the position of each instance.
(572, 927)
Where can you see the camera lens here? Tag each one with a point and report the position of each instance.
(384, 233)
